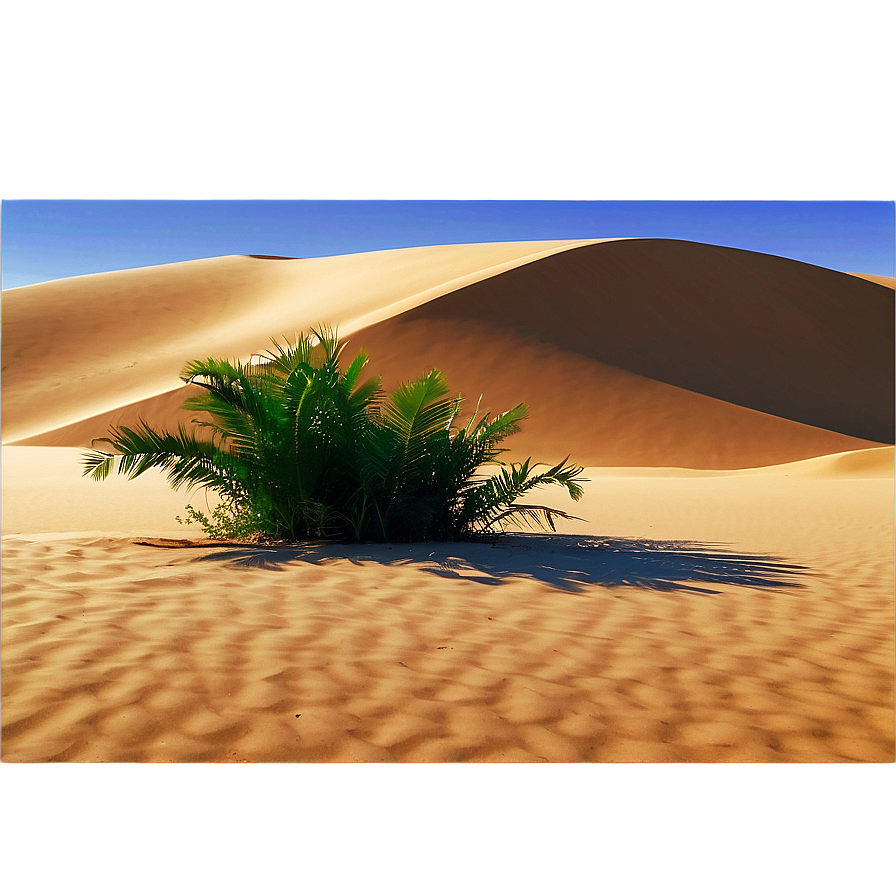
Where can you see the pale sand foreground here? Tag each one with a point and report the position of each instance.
(735, 617)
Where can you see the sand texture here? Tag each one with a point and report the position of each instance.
(727, 596)
(707, 635)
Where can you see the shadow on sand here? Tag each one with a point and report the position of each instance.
(567, 562)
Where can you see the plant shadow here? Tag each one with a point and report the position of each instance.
(569, 563)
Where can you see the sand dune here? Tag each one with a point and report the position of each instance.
(778, 336)
(726, 596)
(641, 352)
(120, 337)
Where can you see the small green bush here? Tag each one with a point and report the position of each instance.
(298, 448)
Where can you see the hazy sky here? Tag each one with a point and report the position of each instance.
(710, 100)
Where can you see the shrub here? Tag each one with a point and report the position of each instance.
(298, 448)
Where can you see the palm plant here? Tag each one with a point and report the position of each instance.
(299, 449)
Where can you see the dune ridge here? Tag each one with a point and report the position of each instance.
(639, 359)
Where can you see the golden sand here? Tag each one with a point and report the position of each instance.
(730, 618)
(727, 597)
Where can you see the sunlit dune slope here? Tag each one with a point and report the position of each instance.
(87, 345)
(630, 353)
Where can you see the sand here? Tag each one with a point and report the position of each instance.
(124, 336)
(889, 282)
(629, 352)
(740, 617)
(727, 597)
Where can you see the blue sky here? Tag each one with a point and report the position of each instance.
(48, 239)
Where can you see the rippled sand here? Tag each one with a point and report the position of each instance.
(598, 648)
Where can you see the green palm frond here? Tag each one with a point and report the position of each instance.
(414, 413)
(232, 427)
(248, 390)
(504, 425)
(414, 406)
(494, 499)
(98, 465)
(285, 358)
(531, 515)
(368, 393)
(327, 345)
(188, 461)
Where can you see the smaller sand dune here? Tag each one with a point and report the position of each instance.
(874, 463)
(44, 491)
(889, 282)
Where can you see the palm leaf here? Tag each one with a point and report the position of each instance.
(287, 357)
(502, 426)
(532, 515)
(414, 413)
(188, 461)
(493, 500)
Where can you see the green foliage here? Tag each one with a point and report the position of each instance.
(297, 448)
(227, 521)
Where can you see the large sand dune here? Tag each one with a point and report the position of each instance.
(630, 352)
(726, 596)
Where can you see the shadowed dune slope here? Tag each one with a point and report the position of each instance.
(598, 414)
(771, 334)
(630, 352)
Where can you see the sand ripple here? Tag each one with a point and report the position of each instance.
(114, 651)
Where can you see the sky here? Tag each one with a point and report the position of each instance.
(50, 239)
(130, 133)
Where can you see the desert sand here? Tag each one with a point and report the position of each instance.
(727, 595)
